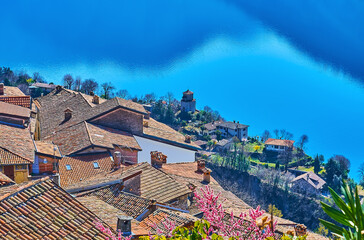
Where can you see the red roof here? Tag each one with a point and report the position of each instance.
(279, 142)
(23, 101)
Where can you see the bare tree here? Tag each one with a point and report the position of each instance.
(89, 85)
(123, 93)
(77, 85)
(38, 78)
(265, 136)
(302, 141)
(107, 89)
(276, 133)
(150, 97)
(169, 98)
(68, 81)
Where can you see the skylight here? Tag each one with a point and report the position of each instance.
(68, 167)
(96, 165)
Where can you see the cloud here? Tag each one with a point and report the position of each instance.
(329, 31)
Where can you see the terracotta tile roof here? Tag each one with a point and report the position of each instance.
(42, 210)
(279, 142)
(161, 132)
(18, 141)
(128, 203)
(9, 158)
(212, 125)
(82, 135)
(313, 179)
(12, 91)
(200, 142)
(23, 101)
(82, 167)
(90, 98)
(186, 170)
(47, 148)
(160, 215)
(5, 180)
(55, 103)
(232, 125)
(156, 184)
(108, 137)
(14, 110)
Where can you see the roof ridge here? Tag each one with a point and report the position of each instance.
(88, 133)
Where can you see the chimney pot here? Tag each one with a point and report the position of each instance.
(1, 88)
(206, 175)
(187, 138)
(124, 224)
(200, 165)
(157, 159)
(96, 99)
(117, 159)
(92, 93)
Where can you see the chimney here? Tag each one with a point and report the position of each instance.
(124, 224)
(157, 159)
(92, 93)
(147, 116)
(187, 138)
(1, 88)
(67, 114)
(145, 123)
(200, 165)
(206, 175)
(300, 229)
(58, 88)
(117, 160)
(153, 205)
(96, 99)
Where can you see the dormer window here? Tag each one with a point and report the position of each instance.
(68, 167)
(96, 165)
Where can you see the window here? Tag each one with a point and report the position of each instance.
(45, 161)
(276, 147)
(20, 167)
(68, 167)
(96, 165)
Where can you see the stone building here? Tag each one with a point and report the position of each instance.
(188, 104)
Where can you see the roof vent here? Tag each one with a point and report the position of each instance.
(96, 99)
(67, 114)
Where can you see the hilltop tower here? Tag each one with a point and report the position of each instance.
(188, 104)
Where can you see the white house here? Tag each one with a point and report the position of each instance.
(233, 129)
(278, 144)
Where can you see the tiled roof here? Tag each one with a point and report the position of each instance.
(160, 215)
(186, 170)
(200, 142)
(9, 158)
(90, 98)
(14, 110)
(128, 203)
(212, 125)
(313, 179)
(47, 148)
(188, 92)
(17, 140)
(44, 85)
(5, 180)
(232, 125)
(55, 103)
(279, 142)
(82, 135)
(159, 131)
(155, 184)
(23, 101)
(82, 167)
(108, 137)
(42, 210)
(12, 91)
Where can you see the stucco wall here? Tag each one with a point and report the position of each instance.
(174, 154)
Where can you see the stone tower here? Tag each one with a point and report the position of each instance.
(188, 104)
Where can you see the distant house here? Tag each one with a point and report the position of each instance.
(202, 144)
(308, 183)
(278, 144)
(45, 88)
(228, 129)
(233, 129)
(188, 103)
(223, 145)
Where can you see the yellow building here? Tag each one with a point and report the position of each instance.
(14, 166)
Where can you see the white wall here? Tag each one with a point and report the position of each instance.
(174, 154)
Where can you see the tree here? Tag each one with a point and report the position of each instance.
(276, 133)
(150, 97)
(107, 89)
(77, 84)
(302, 141)
(265, 135)
(317, 163)
(38, 78)
(68, 81)
(169, 98)
(123, 93)
(89, 85)
(361, 174)
(273, 210)
(218, 135)
(169, 118)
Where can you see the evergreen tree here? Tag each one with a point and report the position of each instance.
(317, 164)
